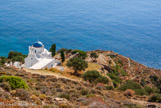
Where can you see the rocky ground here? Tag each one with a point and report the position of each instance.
(56, 89)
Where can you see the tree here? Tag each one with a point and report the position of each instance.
(62, 56)
(13, 54)
(16, 56)
(94, 77)
(81, 54)
(53, 49)
(94, 55)
(91, 76)
(3, 60)
(77, 64)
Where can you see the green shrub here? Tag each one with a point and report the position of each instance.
(130, 85)
(123, 73)
(3, 60)
(154, 79)
(120, 62)
(148, 89)
(102, 79)
(94, 55)
(16, 56)
(109, 87)
(84, 92)
(82, 54)
(62, 49)
(155, 98)
(91, 95)
(94, 77)
(156, 90)
(140, 92)
(118, 71)
(143, 83)
(64, 95)
(134, 86)
(115, 84)
(91, 76)
(114, 77)
(14, 81)
(77, 64)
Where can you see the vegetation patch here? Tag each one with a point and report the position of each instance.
(130, 85)
(134, 86)
(102, 79)
(16, 56)
(109, 87)
(81, 54)
(14, 81)
(64, 95)
(156, 81)
(91, 76)
(77, 64)
(155, 98)
(84, 92)
(94, 77)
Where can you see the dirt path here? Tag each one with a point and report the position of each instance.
(141, 102)
(46, 72)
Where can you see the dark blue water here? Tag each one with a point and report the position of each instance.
(129, 27)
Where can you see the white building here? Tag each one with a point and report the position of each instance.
(39, 57)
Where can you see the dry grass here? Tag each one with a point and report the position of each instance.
(94, 66)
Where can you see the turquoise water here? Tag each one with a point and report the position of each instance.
(129, 27)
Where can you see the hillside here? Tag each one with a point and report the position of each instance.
(63, 89)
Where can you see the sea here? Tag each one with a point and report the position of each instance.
(129, 27)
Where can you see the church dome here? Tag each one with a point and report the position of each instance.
(38, 44)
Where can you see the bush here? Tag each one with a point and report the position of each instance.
(3, 60)
(4, 95)
(140, 92)
(16, 56)
(94, 55)
(115, 84)
(148, 89)
(91, 76)
(84, 92)
(102, 79)
(64, 95)
(6, 86)
(77, 64)
(82, 54)
(64, 50)
(114, 77)
(156, 81)
(143, 83)
(130, 85)
(23, 94)
(14, 81)
(134, 86)
(109, 87)
(155, 98)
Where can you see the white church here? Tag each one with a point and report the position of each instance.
(39, 57)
